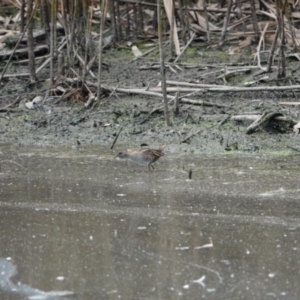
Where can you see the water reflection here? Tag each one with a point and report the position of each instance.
(8, 270)
(101, 228)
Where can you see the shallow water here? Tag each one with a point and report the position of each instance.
(79, 224)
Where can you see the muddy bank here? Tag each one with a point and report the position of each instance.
(197, 128)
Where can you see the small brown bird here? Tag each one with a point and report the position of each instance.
(145, 156)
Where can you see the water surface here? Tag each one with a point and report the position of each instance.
(79, 224)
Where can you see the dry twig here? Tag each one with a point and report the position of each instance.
(260, 121)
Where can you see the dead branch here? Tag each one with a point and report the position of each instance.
(83, 65)
(245, 117)
(176, 105)
(272, 50)
(104, 7)
(254, 19)
(256, 117)
(168, 6)
(224, 89)
(53, 46)
(11, 110)
(188, 43)
(259, 46)
(295, 149)
(30, 41)
(12, 162)
(195, 133)
(289, 103)
(180, 83)
(117, 136)
(159, 108)
(162, 63)
(296, 128)
(261, 120)
(224, 120)
(226, 20)
(17, 44)
(182, 100)
(177, 90)
(190, 136)
(202, 103)
(282, 36)
(206, 21)
(17, 100)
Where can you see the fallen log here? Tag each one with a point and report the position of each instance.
(256, 117)
(261, 120)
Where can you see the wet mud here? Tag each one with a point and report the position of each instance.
(196, 128)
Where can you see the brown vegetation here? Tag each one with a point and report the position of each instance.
(68, 37)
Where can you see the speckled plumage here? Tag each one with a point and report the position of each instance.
(144, 156)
